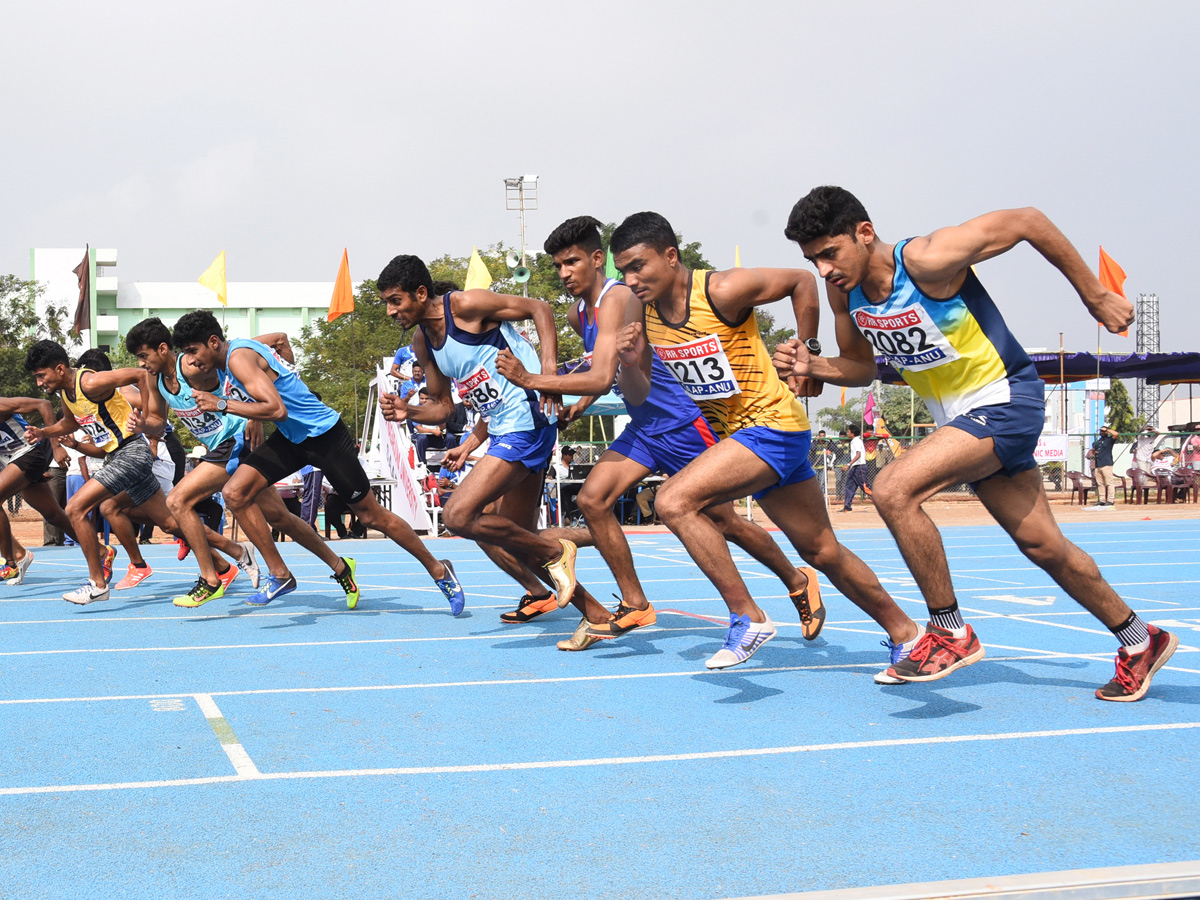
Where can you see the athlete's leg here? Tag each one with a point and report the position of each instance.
(372, 515)
(116, 510)
(41, 497)
(1019, 505)
(82, 502)
(611, 477)
(799, 511)
(203, 481)
(755, 541)
(948, 456)
(241, 492)
(272, 513)
(155, 512)
(12, 480)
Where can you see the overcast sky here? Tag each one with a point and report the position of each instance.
(282, 132)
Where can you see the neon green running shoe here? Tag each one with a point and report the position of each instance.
(200, 594)
(347, 582)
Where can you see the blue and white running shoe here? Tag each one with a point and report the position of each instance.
(272, 589)
(452, 589)
(741, 641)
(896, 653)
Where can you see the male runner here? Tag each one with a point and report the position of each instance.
(919, 303)
(222, 434)
(93, 401)
(667, 432)
(702, 325)
(24, 472)
(257, 384)
(459, 336)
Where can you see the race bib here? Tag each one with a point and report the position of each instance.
(95, 429)
(12, 442)
(484, 394)
(233, 392)
(200, 423)
(701, 368)
(910, 339)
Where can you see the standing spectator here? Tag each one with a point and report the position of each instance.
(856, 468)
(1143, 448)
(821, 457)
(1101, 455)
(312, 479)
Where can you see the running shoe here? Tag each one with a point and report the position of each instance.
(16, 574)
(110, 553)
(202, 592)
(562, 572)
(580, 640)
(347, 582)
(133, 577)
(808, 604)
(741, 641)
(897, 653)
(89, 593)
(248, 563)
(184, 549)
(529, 608)
(624, 618)
(938, 653)
(1134, 670)
(451, 589)
(272, 589)
(226, 578)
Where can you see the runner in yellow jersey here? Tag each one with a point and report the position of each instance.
(702, 325)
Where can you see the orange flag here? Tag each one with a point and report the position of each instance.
(1112, 278)
(343, 290)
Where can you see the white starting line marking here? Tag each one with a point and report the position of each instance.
(242, 763)
(610, 761)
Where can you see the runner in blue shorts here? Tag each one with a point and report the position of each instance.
(666, 433)
(459, 335)
(919, 303)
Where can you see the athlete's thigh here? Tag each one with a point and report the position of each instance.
(491, 479)
(203, 481)
(1019, 505)
(799, 511)
(947, 457)
(726, 471)
(40, 497)
(12, 480)
(522, 504)
(613, 474)
(155, 510)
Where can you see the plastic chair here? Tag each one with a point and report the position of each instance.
(1141, 484)
(1079, 488)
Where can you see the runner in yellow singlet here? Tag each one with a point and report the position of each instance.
(702, 325)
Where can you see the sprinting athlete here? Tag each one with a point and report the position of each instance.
(24, 473)
(224, 437)
(94, 402)
(257, 384)
(702, 325)
(667, 432)
(459, 335)
(919, 303)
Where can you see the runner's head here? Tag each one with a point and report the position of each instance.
(49, 364)
(834, 233)
(199, 337)
(150, 341)
(578, 253)
(406, 287)
(646, 251)
(95, 359)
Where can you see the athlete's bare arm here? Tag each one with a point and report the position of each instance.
(252, 370)
(439, 405)
(278, 341)
(853, 367)
(939, 261)
(634, 376)
(66, 425)
(486, 309)
(151, 420)
(24, 405)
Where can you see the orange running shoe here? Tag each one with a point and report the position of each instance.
(808, 603)
(226, 577)
(110, 553)
(624, 619)
(529, 608)
(133, 577)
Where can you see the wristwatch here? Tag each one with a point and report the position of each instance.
(814, 346)
(222, 405)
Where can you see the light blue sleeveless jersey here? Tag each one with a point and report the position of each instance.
(470, 359)
(306, 415)
(209, 428)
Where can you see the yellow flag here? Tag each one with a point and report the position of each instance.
(737, 256)
(478, 275)
(214, 279)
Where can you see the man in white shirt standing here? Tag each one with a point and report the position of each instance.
(856, 470)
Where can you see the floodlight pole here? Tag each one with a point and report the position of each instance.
(521, 194)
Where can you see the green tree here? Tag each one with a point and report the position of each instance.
(836, 418)
(901, 408)
(1120, 409)
(20, 327)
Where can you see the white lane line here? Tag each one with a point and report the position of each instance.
(242, 763)
(609, 761)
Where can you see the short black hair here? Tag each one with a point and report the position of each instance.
(825, 211)
(647, 228)
(581, 231)
(46, 355)
(444, 287)
(853, 431)
(95, 359)
(148, 333)
(407, 273)
(567, 451)
(196, 327)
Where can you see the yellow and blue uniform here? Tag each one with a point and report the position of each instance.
(959, 356)
(725, 368)
(106, 424)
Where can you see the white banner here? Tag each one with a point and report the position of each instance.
(390, 455)
(1051, 448)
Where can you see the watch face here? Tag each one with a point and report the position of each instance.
(813, 345)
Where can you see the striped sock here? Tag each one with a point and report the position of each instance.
(950, 619)
(1132, 634)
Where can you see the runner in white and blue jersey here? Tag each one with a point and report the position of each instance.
(256, 383)
(920, 303)
(459, 336)
(666, 433)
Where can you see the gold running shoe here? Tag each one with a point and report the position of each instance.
(580, 640)
(562, 572)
